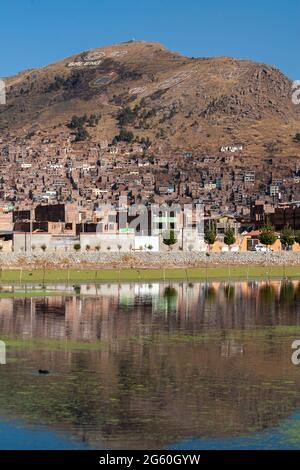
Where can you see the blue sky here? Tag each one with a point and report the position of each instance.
(34, 33)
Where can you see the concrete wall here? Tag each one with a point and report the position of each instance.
(142, 243)
(107, 242)
(63, 244)
(187, 241)
(53, 243)
(23, 241)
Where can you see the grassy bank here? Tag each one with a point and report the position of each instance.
(134, 274)
(51, 344)
(287, 333)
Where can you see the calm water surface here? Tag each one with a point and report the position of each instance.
(181, 366)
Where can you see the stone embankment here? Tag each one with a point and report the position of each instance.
(146, 260)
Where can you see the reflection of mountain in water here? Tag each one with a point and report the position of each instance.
(176, 361)
(286, 436)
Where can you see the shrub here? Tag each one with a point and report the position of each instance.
(297, 137)
(267, 236)
(210, 237)
(124, 136)
(287, 237)
(170, 239)
(229, 238)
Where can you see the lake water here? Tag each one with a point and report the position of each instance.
(151, 366)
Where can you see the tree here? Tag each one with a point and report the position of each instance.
(77, 289)
(43, 247)
(169, 238)
(123, 136)
(77, 246)
(127, 116)
(297, 137)
(210, 237)
(81, 134)
(229, 238)
(77, 122)
(267, 236)
(297, 237)
(287, 237)
(150, 247)
(87, 247)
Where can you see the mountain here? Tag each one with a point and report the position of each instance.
(181, 102)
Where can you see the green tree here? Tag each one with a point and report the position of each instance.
(127, 116)
(267, 236)
(124, 136)
(287, 237)
(297, 237)
(77, 246)
(229, 238)
(77, 121)
(210, 237)
(297, 137)
(81, 134)
(169, 238)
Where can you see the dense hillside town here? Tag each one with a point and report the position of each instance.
(69, 191)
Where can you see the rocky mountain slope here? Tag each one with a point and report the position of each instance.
(143, 88)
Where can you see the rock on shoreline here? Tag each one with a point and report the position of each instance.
(146, 260)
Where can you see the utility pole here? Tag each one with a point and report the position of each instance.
(182, 230)
(30, 231)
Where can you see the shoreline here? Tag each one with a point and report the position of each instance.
(135, 267)
(209, 273)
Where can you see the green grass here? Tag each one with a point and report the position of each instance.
(51, 344)
(284, 332)
(134, 274)
(287, 332)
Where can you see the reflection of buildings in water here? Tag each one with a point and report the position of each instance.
(231, 348)
(198, 385)
(109, 312)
